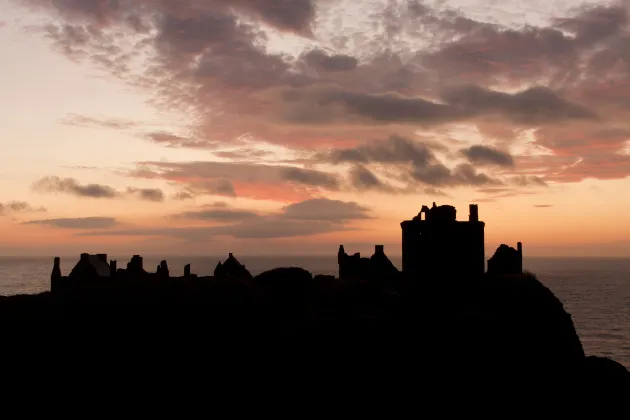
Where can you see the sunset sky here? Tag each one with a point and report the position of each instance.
(268, 127)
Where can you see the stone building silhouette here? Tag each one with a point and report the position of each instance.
(506, 260)
(436, 244)
(361, 268)
(135, 266)
(231, 268)
(92, 270)
(91, 267)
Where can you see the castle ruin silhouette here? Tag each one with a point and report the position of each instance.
(434, 244)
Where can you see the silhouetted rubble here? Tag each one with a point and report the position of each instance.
(93, 270)
(135, 266)
(162, 270)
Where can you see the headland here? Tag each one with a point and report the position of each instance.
(442, 316)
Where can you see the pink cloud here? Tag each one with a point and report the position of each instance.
(264, 182)
(569, 81)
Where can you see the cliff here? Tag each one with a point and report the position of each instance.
(503, 331)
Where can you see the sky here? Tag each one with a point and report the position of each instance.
(289, 127)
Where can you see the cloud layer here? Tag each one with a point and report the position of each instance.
(77, 223)
(306, 218)
(70, 186)
(16, 207)
(352, 103)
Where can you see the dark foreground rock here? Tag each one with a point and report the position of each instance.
(493, 336)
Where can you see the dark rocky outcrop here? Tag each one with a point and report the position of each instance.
(500, 333)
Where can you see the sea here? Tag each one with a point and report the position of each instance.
(595, 291)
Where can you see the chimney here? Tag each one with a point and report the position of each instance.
(164, 268)
(231, 255)
(112, 268)
(341, 254)
(187, 270)
(473, 216)
(137, 262)
(85, 257)
(102, 257)
(519, 248)
(379, 249)
(55, 275)
(56, 271)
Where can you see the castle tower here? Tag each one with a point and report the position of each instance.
(113, 269)
(441, 247)
(164, 269)
(341, 261)
(473, 215)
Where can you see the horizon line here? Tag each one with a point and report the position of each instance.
(292, 256)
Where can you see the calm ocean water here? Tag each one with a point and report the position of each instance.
(595, 291)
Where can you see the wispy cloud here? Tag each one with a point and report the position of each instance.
(147, 194)
(483, 155)
(15, 207)
(77, 223)
(307, 218)
(70, 186)
(110, 123)
(240, 179)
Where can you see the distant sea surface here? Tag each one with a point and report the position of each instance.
(595, 291)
